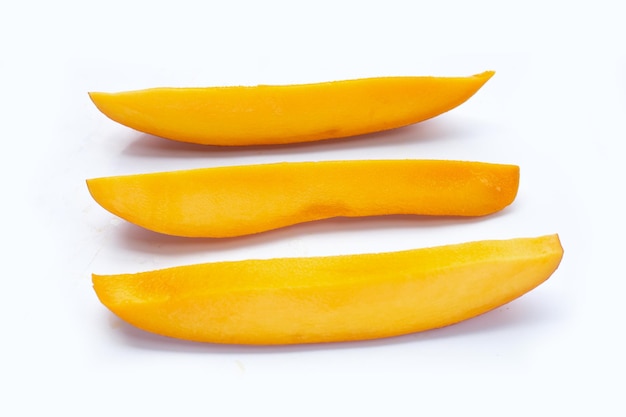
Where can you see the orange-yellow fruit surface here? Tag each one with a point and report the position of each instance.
(330, 299)
(240, 200)
(278, 114)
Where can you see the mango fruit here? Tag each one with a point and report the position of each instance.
(240, 200)
(330, 299)
(279, 114)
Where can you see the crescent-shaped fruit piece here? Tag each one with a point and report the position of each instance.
(330, 299)
(279, 114)
(240, 200)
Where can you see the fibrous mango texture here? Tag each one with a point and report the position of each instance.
(330, 299)
(241, 200)
(279, 114)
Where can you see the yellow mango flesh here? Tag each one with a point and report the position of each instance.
(330, 299)
(278, 114)
(240, 200)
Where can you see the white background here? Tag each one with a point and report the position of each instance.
(556, 107)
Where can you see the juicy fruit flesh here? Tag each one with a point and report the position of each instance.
(279, 114)
(328, 299)
(240, 200)
(308, 300)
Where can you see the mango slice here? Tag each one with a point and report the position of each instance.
(240, 200)
(279, 114)
(330, 299)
